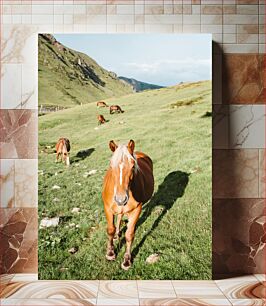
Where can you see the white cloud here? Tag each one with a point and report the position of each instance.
(169, 72)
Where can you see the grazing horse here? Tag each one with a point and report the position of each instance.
(128, 183)
(62, 149)
(101, 104)
(101, 119)
(115, 109)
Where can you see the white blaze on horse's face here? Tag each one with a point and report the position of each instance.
(121, 173)
(67, 161)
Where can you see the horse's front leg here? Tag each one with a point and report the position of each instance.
(130, 233)
(57, 156)
(118, 223)
(110, 253)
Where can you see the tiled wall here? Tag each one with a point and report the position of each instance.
(238, 28)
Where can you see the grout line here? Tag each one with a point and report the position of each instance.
(175, 290)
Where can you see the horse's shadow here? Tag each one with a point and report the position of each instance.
(171, 188)
(81, 155)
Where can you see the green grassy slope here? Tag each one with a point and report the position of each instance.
(68, 78)
(173, 126)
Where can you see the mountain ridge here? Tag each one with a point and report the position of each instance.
(139, 85)
(68, 77)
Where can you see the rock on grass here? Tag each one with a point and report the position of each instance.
(75, 210)
(73, 250)
(152, 258)
(49, 222)
(91, 172)
(56, 187)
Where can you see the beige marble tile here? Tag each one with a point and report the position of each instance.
(240, 19)
(154, 9)
(163, 19)
(120, 19)
(26, 182)
(197, 289)
(262, 174)
(94, 19)
(209, 28)
(118, 290)
(7, 183)
(125, 9)
(187, 9)
(79, 9)
(240, 48)
(125, 28)
(4, 280)
(139, 9)
(247, 38)
(155, 289)
(260, 277)
(159, 28)
(195, 9)
(247, 9)
(229, 9)
(11, 82)
(21, 9)
(211, 9)
(183, 302)
(247, 28)
(43, 9)
(48, 302)
(43, 19)
(211, 19)
(117, 302)
(191, 28)
(51, 290)
(247, 126)
(229, 38)
(25, 277)
(248, 302)
(96, 9)
(242, 287)
(229, 28)
(29, 80)
(191, 19)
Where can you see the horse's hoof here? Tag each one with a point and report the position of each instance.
(126, 265)
(110, 257)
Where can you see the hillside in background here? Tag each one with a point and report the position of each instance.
(68, 78)
(138, 85)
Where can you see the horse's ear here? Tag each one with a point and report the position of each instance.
(131, 146)
(112, 145)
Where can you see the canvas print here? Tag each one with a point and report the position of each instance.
(124, 156)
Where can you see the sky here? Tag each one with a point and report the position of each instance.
(161, 59)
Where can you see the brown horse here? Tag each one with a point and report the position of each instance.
(101, 104)
(115, 109)
(101, 119)
(128, 184)
(62, 149)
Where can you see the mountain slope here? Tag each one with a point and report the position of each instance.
(68, 78)
(138, 85)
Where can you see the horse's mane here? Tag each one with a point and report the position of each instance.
(120, 154)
